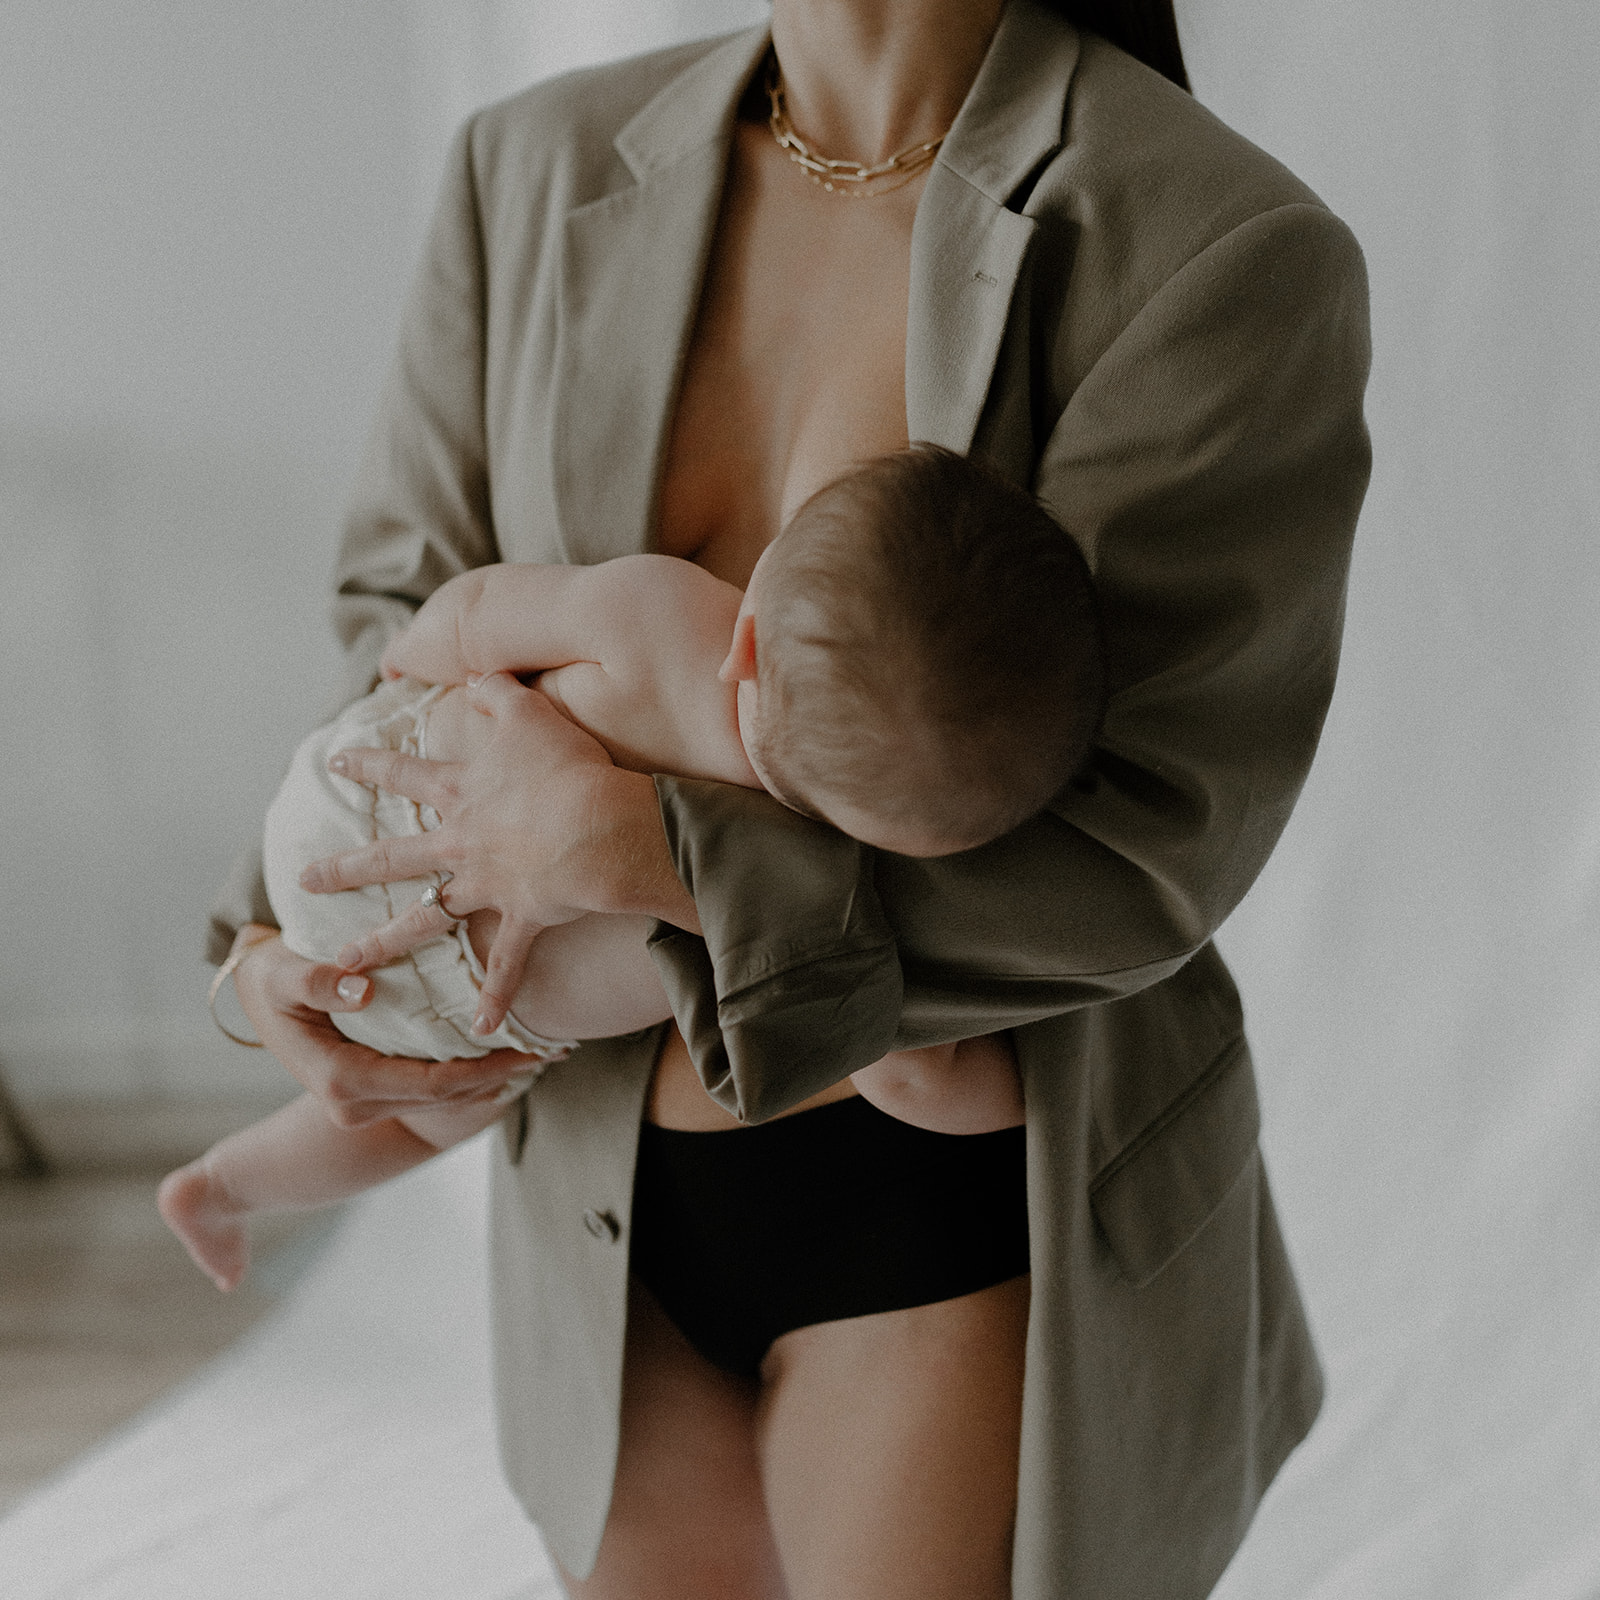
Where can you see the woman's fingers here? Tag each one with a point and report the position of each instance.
(387, 861)
(508, 955)
(367, 1087)
(288, 1000)
(416, 925)
(329, 988)
(271, 977)
(357, 1086)
(432, 783)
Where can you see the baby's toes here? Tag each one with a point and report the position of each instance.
(210, 1229)
(224, 1255)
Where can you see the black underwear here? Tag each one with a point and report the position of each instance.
(745, 1234)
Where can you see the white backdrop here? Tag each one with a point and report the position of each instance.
(208, 215)
(1418, 961)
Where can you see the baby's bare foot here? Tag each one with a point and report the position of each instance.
(198, 1208)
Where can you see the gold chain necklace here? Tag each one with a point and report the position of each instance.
(852, 178)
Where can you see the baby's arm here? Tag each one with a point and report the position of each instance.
(631, 615)
(296, 1159)
(508, 618)
(630, 650)
(970, 1087)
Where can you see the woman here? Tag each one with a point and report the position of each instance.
(641, 323)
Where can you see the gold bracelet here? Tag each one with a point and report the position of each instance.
(224, 972)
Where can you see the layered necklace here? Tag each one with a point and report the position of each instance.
(853, 178)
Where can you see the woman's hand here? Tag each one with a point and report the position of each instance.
(539, 826)
(288, 1000)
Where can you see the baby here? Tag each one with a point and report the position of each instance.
(916, 660)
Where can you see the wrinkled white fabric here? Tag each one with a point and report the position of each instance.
(426, 1001)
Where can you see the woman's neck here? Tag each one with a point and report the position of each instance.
(865, 78)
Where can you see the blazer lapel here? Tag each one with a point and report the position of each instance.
(967, 246)
(631, 272)
(962, 278)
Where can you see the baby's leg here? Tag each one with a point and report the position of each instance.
(292, 1160)
(970, 1087)
(591, 978)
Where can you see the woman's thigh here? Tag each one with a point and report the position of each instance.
(687, 1520)
(888, 1450)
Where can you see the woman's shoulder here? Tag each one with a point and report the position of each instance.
(1147, 179)
(1128, 126)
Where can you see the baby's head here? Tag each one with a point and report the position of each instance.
(919, 655)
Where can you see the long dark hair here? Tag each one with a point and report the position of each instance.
(1146, 29)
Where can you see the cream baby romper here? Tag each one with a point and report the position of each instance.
(425, 1002)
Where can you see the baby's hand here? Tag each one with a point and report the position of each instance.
(430, 647)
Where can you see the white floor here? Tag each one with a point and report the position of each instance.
(343, 1449)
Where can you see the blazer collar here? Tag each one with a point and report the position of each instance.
(1012, 118)
(696, 108)
(633, 263)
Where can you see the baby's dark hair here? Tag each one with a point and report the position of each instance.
(928, 651)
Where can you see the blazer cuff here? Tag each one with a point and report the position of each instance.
(796, 982)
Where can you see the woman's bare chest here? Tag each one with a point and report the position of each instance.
(796, 362)
(795, 370)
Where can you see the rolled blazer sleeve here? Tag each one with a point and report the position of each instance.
(1212, 463)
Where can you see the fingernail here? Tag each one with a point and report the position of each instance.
(338, 763)
(480, 1023)
(474, 679)
(350, 956)
(352, 988)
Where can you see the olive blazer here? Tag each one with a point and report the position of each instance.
(1122, 304)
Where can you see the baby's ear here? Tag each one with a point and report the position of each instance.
(740, 662)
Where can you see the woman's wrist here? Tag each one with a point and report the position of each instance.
(251, 933)
(633, 866)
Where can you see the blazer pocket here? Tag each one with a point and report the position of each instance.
(1157, 1193)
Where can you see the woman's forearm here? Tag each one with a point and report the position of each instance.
(633, 870)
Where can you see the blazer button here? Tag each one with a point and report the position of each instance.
(602, 1224)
